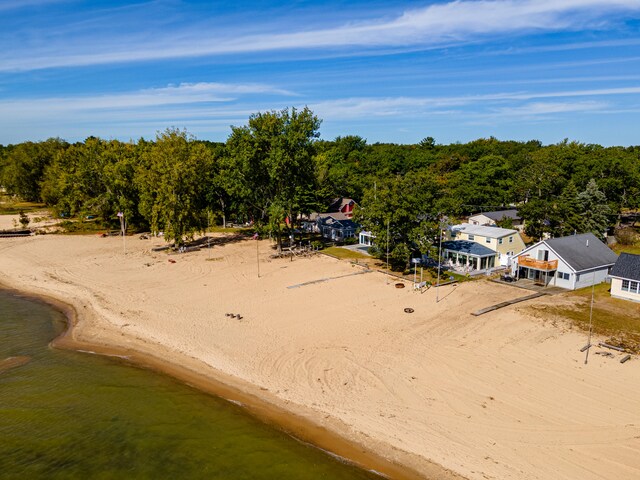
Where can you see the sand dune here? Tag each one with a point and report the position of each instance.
(503, 395)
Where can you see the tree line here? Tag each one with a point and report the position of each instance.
(276, 167)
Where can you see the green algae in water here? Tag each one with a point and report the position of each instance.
(71, 415)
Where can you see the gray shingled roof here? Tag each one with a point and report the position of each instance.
(468, 247)
(330, 221)
(582, 252)
(627, 266)
(499, 215)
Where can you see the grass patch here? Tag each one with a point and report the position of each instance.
(10, 207)
(635, 249)
(344, 253)
(618, 320)
(457, 277)
(221, 229)
(73, 227)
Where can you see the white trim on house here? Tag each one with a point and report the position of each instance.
(625, 288)
(366, 238)
(564, 275)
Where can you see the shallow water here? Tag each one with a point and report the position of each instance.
(71, 415)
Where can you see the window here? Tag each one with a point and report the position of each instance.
(630, 286)
(562, 275)
(487, 240)
(499, 241)
(511, 239)
(472, 237)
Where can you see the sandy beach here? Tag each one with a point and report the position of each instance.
(438, 391)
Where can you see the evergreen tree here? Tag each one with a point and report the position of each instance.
(568, 212)
(595, 211)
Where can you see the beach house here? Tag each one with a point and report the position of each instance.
(477, 247)
(334, 224)
(571, 262)
(625, 277)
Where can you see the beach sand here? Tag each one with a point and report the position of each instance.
(438, 391)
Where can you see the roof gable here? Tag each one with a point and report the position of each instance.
(627, 266)
(500, 214)
(337, 204)
(580, 252)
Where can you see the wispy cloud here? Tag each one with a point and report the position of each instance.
(7, 5)
(225, 100)
(440, 24)
(416, 106)
(536, 109)
(184, 93)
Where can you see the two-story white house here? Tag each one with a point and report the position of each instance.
(571, 262)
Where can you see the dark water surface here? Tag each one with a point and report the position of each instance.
(72, 415)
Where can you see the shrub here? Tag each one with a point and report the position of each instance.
(626, 236)
(24, 219)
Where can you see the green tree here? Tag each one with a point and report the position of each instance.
(25, 164)
(536, 213)
(595, 210)
(567, 218)
(270, 164)
(172, 194)
(406, 206)
(74, 181)
(485, 182)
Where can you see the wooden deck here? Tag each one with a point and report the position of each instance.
(545, 266)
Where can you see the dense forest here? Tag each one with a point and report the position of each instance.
(276, 167)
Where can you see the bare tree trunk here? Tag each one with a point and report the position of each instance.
(224, 216)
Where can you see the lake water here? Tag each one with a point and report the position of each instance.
(71, 415)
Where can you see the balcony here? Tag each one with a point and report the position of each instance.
(527, 261)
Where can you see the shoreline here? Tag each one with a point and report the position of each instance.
(235, 391)
(338, 363)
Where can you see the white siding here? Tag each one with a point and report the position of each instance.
(575, 281)
(591, 277)
(617, 292)
(559, 281)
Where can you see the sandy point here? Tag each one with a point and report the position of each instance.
(437, 391)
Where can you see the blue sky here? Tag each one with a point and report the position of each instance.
(387, 71)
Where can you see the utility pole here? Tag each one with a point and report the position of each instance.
(387, 249)
(123, 228)
(258, 253)
(593, 287)
(439, 259)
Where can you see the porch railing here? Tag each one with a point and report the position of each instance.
(527, 261)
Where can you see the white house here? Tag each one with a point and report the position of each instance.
(366, 238)
(504, 242)
(625, 277)
(571, 262)
(491, 218)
